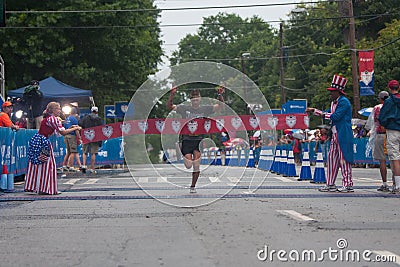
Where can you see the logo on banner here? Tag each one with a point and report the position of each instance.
(192, 126)
(126, 127)
(143, 126)
(220, 124)
(366, 77)
(160, 125)
(124, 108)
(107, 130)
(290, 121)
(121, 108)
(109, 111)
(254, 121)
(236, 122)
(207, 125)
(307, 121)
(89, 134)
(176, 125)
(272, 121)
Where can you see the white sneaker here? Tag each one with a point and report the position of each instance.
(192, 190)
(395, 191)
(328, 188)
(83, 168)
(345, 189)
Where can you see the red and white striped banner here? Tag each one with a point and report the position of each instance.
(196, 126)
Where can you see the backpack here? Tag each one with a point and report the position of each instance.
(89, 121)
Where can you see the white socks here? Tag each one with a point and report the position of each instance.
(397, 181)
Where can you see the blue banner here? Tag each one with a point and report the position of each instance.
(121, 108)
(294, 106)
(109, 112)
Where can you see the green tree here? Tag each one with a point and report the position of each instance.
(111, 53)
(387, 55)
(373, 15)
(313, 34)
(227, 38)
(317, 36)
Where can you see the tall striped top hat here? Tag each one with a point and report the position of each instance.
(338, 84)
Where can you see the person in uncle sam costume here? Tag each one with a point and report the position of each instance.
(41, 175)
(341, 149)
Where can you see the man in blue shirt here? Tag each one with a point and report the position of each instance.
(71, 142)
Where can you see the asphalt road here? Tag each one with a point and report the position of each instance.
(239, 217)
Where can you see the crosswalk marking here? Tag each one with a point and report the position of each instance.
(72, 181)
(161, 179)
(214, 179)
(234, 179)
(366, 179)
(91, 181)
(296, 215)
(143, 180)
(283, 179)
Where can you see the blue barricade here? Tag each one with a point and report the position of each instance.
(14, 150)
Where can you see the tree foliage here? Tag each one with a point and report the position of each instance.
(111, 53)
(227, 38)
(317, 39)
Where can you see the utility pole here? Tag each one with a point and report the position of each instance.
(2, 13)
(283, 93)
(243, 56)
(2, 79)
(354, 69)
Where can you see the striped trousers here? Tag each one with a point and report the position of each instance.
(336, 160)
(42, 177)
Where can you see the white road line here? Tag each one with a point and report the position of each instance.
(283, 179)
(234, 180)
(72, 181)
(367, 179)
(91, 181)
(214, 179)
(295, 215)
(143, 180)
(388, 256)
(151, 169)
(162, 179)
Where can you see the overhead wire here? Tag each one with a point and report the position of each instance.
(158, 9)
(174, 25)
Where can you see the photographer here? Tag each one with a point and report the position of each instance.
(33, 99)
